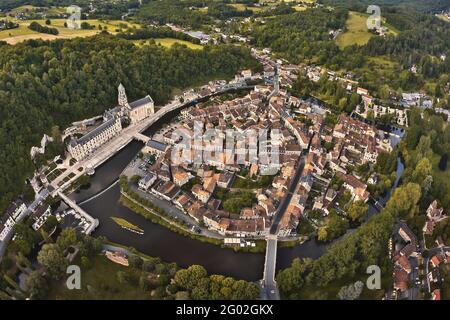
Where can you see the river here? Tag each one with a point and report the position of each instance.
(159, 241)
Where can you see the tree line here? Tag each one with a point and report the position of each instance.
(42, 29)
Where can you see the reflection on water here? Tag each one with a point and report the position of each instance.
(172, 247)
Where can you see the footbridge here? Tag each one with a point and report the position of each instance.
(93, 223)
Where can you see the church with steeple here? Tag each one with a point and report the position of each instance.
(137, 110)
(112, 124)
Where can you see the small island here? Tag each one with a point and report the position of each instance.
(127, 225)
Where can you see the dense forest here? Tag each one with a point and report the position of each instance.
(421, 5)
(43, 84)
(172, 11)
(105, 9)
(304, 36)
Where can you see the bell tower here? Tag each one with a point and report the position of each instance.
(122, 98)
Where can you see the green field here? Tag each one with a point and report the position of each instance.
(22, 33)
(299, 8)
(242, 7)
(357, 32)
(169, 42)
(100, 283)
(124, 223)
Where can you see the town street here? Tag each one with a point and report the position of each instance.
(287, 199)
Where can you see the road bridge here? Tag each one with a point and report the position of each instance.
(141, 137)
(268, 283)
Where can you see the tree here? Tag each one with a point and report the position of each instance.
(86, 26)
(122, 277)
(135, 261)
(85, 262)
(358, 210)
(48, 22)
(243, 290)
(404, 200)
(182, 295)
(144, 283)
(352, 291)
(322, 235)
(292, 278)
(67, 238)
(135, 179)
(201, 290)
(52, 258)
(36, 285)
(148, 265)
(188, 278)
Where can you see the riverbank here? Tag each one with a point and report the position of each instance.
(136, 206)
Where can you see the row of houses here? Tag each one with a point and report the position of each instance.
(39, 212)
(199, 202)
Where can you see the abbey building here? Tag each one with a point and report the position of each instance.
(112, 124)
(138, 110)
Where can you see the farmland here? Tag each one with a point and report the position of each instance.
(22, 33)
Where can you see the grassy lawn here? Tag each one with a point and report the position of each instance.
(22, 33)
(438, 174)
(357, 32)
(299, 8)
(330, 292)
(100, 283)
(243, 7)
(261, 182)
(169, 42)
(238, 6)
(379, 69)
(124, 223)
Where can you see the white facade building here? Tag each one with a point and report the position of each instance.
(82, 147)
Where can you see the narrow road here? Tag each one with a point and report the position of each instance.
(287, 199)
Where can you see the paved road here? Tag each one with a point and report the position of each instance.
(432, 252)
(287, 199)
(413, 292)
(174, 212)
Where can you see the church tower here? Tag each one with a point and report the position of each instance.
(122, 99)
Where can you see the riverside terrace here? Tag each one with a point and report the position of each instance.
(234, 199)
